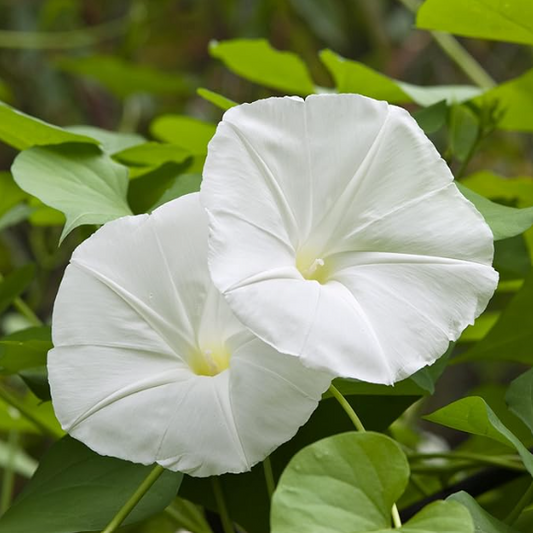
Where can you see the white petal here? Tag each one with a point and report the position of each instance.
(135, 304)
(341, 176)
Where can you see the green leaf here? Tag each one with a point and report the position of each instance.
(504, 221)
(483, 521)
(348, 483)
(256, 61)
(490, 185)
(86, 185)
(511, 338)
(74, 489)
(514, 101)
(24, 349)
(246, 495)
(37, 381)
(519, 398)
(20, 461)
(216, 99)
(432, 118)
(473, 415)
(355, 77)
(146, 190)
(183, 184)
(111, 142)
(15, 215)
(152, 154)
(485, 19)
(10, 193)
(463, 131)
(123, 78)
(14, 284)
(22, 131)
(188, 133)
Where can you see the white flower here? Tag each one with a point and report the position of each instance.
(149, 364)
(337, 235)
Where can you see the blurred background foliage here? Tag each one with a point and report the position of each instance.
(133, 65)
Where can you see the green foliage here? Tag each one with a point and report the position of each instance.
(123, 78)
(75, 489)
(483, 521)
(474, 416)
(510, 339)
(486, 19)
(24, 349)
(504, 221)
(216, 99)
(15, 284)
(22, 131)
(86, 185)
(519, 398)
(255, 60)
(348, 483)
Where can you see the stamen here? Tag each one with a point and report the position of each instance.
(315, 265)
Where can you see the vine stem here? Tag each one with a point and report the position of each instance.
(269, 477)
(227, 525)
(520, 506)
(359, 426)
(457, 53)
(503, 461)
(135, 498)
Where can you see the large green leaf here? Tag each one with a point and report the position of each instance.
(355, 77)
(22, 131)
(257, 61)
(124, 78)
(504, 221)
(348, 484)
(487, 19)
(111, 142)
(216, 99)
(86, 185)
(74, 489)
(24, 349)
(483, 521)
(14, 285)
(511, 338)
(188, 133)
(519, 398)
(246, 495)
(514, 102)
(473, 415)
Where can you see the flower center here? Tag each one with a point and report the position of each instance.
(210, 361)
(311, 267)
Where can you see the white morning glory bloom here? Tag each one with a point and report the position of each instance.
(149, 364)
(337, 235)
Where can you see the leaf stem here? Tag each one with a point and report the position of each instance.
(359, 426)
(24, 411)
(135, 498)
(520, 506)
(457, 53)
(269, 477)
(227, 524)
(347, 407)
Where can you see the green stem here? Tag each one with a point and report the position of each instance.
(457, 53)
(25, 412)
(269, 477)
(22, 307)
(509, 462)
(136, 497)
(62, 40)
(520, 506)
(347, 407)
(227, 524)
(8, 478)
(359, 426)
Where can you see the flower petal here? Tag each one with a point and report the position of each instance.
(134, 306)
(339, 178)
